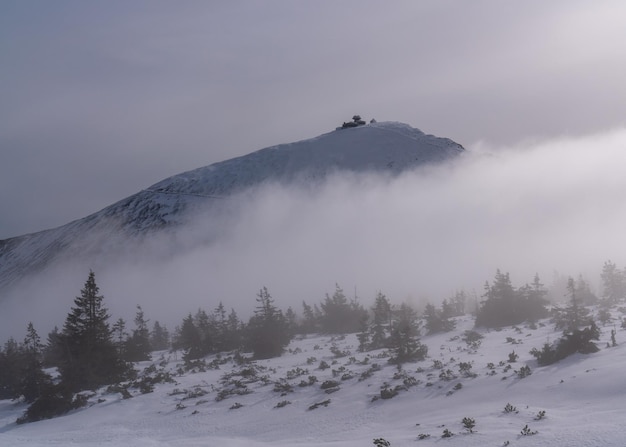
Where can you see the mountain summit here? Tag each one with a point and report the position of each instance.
(389, 147)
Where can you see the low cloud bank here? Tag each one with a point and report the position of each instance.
(539, 208)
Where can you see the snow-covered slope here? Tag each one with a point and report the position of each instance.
(379, 147)
(576, 402)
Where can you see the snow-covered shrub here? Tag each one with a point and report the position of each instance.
(447, 433)
(468, 424)
(472, 339)
(324, 403)
(282, 403)
(526, 431)
(524, 372)
(508, 408)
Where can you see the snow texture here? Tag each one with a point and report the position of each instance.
(582, 397)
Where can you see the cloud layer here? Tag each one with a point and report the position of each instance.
(548, 206)
(102, 100)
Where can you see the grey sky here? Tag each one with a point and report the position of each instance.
(101, 99)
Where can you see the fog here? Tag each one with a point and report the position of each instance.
(539, 207)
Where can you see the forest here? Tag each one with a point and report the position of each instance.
(89, 351)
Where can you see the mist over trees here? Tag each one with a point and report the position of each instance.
(89, 352)
(505, 306)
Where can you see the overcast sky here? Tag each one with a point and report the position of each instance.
(101, 99)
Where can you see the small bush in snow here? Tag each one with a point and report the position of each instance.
(513, 357)
(312, 380)
(296, 372)
(524, 372)
(369, 372)
(526, 431)
(324, 403)
(283, 387)
(338, 353)
(381, 442)
(508, 408)
(327, 384)
(447, 433)
(447, 375)
(469, 424)
(465, 368)
(282, 403)
(472, 339)
(540, 415)
(387, 393)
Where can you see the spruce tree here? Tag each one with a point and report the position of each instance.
(341, 316)
(613, 283)
(234, 331)
(10, 369)
(268, 332)
(506, 306)
(220, 323)
(159, 337)
(54, 348)
(90, 358)
(32, 378)
(404, 341)
(381, 322)
(138, 346)
(310, 321)
(188, 339)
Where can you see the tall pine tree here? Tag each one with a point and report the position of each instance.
(90, 358)
(268, 331)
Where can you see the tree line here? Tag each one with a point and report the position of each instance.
(88, 352)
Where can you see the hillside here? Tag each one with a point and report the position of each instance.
(576, 402)
(387, 147)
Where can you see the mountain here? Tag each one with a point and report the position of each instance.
(386, 147)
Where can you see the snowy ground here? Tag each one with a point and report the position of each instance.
(583, 398)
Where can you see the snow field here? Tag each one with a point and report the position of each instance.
(582, 397)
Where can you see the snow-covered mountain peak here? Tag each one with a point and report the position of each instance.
(385, 147)
(390, 146)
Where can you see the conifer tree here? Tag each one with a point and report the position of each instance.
(341, 316)
(438, 320)
(54, 348)
(90, 358)
(575, 315)
(220, 327)
(10, 369)
(138, 346)
(268, 332)
(404, 341)
(159, 337)
(189, 339)
(505, 306)
(120, 337)
(613, 283)
(292, 321)
(381, 322)
(310, 321)
(234, 333)
(32, 377)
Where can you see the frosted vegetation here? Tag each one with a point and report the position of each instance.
(507, 368)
